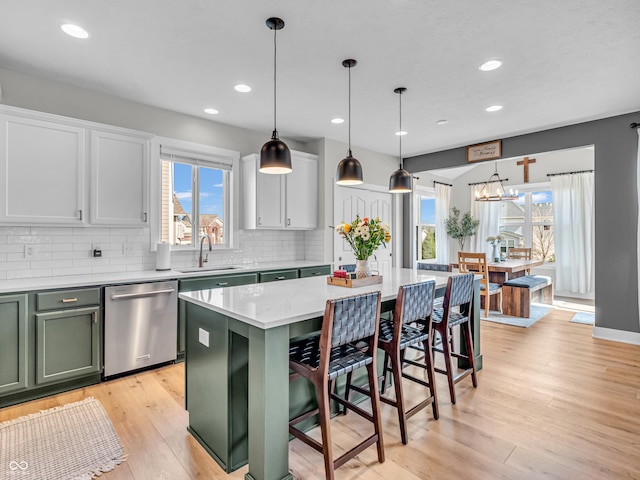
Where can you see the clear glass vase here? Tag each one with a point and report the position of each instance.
(362, 269)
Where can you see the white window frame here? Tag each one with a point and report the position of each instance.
(421, 191)
(198, 155)
(527, 226)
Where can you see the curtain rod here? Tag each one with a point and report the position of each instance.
(442, 183)
(569, 173)
(492, 181)
(635, 125)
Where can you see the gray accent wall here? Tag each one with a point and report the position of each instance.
(616, 210)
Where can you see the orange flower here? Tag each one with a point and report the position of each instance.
(365, 220)
(347, 228)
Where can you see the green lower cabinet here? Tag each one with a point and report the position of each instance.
(216, 379)
(315, 271)
(13, 343)
(68, 344)
(276, 275)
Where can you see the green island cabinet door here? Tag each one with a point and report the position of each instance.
(13, 343)
(68, 344)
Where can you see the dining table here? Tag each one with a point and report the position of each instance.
(238, 392)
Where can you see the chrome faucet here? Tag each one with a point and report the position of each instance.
(202, 261)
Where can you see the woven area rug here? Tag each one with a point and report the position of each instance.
(73, 441)
(536, 312)
(584, 317)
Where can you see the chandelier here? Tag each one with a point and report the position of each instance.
(493, 190)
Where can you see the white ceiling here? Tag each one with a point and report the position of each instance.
(564, 62)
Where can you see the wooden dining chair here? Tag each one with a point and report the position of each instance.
(348, 341)
(477, 263)
(520, 253)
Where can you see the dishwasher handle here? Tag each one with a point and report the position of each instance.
(123, 296)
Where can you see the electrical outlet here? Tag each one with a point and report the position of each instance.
(128, 249)
(29, 251)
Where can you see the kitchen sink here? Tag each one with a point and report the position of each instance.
(207, 269)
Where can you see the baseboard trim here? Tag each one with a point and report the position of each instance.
(621, 336)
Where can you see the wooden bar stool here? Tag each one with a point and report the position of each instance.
(348, 341)
(410, 326)
(459, 293)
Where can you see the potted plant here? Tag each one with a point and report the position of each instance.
(460, 228)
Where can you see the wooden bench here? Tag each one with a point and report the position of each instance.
(518, 293)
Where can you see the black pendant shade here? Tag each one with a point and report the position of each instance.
(349, 170)
(275, 157)
(401, 180)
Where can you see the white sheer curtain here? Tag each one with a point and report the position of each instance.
(573, 218)
(489, 215)
(443, 203)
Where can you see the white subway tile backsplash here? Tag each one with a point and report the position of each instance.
(68, 250)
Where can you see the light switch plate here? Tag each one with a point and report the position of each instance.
(203, 337)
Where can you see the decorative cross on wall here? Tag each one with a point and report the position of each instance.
(525, 162)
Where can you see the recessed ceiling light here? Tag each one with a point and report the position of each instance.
(401, 133)
(211, 111)
(493, 108)
(442, 122)
(75, 31)
(337, 120)
(490, 65)
(242, 88)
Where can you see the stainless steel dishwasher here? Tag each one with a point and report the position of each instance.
(140, 326)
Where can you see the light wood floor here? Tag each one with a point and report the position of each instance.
(552, 403)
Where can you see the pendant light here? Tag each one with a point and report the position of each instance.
(400, 181)
(349, 169)
(275, 157)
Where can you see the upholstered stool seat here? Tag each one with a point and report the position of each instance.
(343, 359)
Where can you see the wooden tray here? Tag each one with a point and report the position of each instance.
(358, 282)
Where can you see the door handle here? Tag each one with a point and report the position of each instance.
(144, 357)
(142, 294)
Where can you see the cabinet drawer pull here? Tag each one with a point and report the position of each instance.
(317, 273)
(280, 278)
(95, 317)
(69, 300)
(222, 284)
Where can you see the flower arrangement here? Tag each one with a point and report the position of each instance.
(495, 240)
(365, 235)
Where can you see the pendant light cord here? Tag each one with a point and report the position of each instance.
(400, 131)
(275, 103)
(349, 154)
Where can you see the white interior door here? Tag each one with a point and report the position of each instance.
(351, 201)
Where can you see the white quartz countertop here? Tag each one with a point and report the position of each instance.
(73, 281)
(268, 305)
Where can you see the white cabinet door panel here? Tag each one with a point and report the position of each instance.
(302, 193)
(41, 171)
(119, 176)
(270, 201)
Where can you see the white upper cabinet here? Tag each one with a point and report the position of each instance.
(119, 178)
(302, 192)
(41, 171)
(280, 201)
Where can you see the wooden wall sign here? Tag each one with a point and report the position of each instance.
(484, 151)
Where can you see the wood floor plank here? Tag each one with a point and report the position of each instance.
(552, 403)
